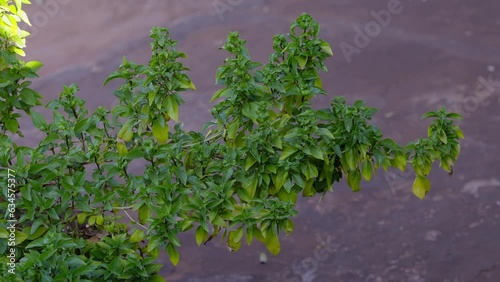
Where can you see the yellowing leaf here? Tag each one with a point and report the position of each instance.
(160, 132)
(400, 161)
(126, 133)
(122, 149)
(137, 236)
(144, 213)
(421, 186)
(99, 220)
(81, 218)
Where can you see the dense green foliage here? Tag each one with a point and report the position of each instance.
(239, 177)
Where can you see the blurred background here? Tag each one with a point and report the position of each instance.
(404, 57)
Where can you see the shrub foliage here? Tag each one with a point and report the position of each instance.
(74, 197)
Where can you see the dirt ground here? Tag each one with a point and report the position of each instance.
(425, 55)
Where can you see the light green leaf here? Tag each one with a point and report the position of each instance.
(325, 47)
(421, 186)
(173, 108)
(354, 180)
(287, 153)
(126, 132)
(367, 170)
(160, 132)
(137, 236)
(144, 213)
(273, 243)
(201, 235)
(302, 61)
(442, 136)
(34, 65)
(234, 239)
(173, 254)
(220, 93)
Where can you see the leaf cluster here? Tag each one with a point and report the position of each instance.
(239, 177)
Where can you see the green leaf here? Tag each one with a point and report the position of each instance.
(309, 170)
(287, 153)
(302, 61)
(273, 243)
(82, 125)
(220, 93)
(367, 170)
(34, 65)
(160, 132)
(144, 213)
(4, 234)
(134, 154)
(354, 180)
(201, 235)
(122, 149)
(458, 131)
(350, 159)
(442, 136)
(325, 47)
(249, 162)
(280, 178)
(126, 132)
(430, 114)
(232, 129)
(324, 132)
(316, 152)
(454, 116)
(28, 96)
(81, 217)
(137, 236)
(173, 254)
(112, 76)
(276, 142)
(249, 235)
(400, 160)
(421, 186)
(250, 185)
(234, 239)
(20, 237)
(173, 107)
